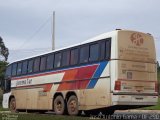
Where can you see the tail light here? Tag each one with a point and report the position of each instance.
(156, 86)
(117, 85)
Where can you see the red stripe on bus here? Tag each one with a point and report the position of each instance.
(77, 74)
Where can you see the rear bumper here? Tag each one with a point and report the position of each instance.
(134, 100)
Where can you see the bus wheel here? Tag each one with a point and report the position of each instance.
(59, 105)
(72, 106)
(12, 105)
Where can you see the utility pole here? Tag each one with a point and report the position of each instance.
(53, 31)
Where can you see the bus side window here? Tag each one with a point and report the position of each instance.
(57, 62)
(65, 58)
(30, 66)
(43, 63)
(36, 64)
(50, 61)
(74, 56)
(94, 52)
(84, 54)
(102, 50)
(14, 69)
(24, 67)
(19, 68)
(8, 71)
(108, 49)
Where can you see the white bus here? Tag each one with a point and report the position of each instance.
(115, 70)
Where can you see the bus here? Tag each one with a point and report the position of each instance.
(112, 71)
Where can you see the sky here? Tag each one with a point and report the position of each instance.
(26, 25)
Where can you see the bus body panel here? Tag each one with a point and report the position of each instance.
(5, 102)
(100, 95)
(40, 88)
(136, 46)
(136, 70)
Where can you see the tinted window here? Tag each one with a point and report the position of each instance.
(94, 52)
(19, 68)
(102, 50)
(30, 66)
(8, 71)
(24, 67)
(57, 61)
(14, 69)
(108, 49)
(43, 63)
(50, 61)
(65, 58)
(74, 56)
(36, 64)
(84, 54)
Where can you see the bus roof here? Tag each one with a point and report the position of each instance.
(96, 38)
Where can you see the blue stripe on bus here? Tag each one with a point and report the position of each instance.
(97, 74)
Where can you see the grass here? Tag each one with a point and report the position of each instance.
(156, 107)
(23, 116)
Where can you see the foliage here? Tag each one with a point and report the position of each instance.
(24, 116)
(4, 52)
(156, 107)
(3, 65)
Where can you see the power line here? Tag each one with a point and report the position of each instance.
(36, 32)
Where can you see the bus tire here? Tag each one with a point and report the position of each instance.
(12, 105)
(59, 105)
(72, 106)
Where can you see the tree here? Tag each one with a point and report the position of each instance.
(3, 65)
(4, 52)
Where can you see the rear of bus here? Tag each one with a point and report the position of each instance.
(135, 82)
